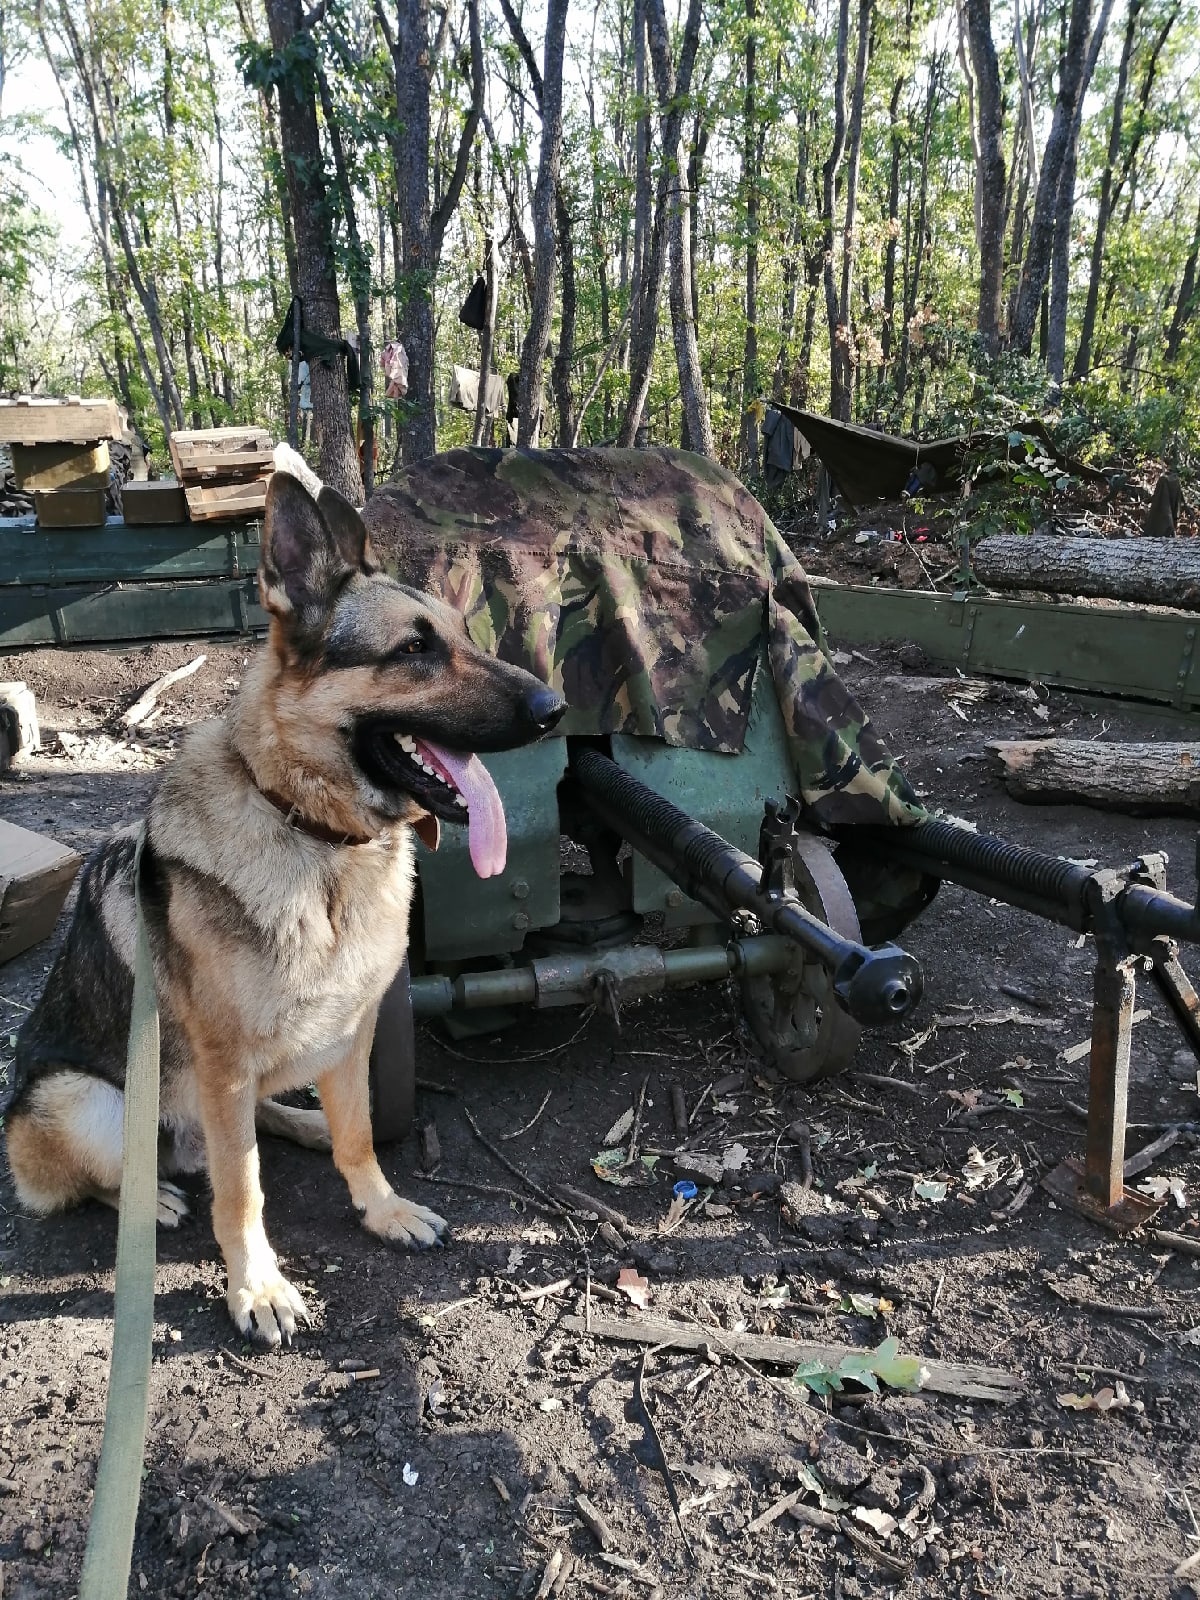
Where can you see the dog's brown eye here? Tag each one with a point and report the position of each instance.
(411, 647)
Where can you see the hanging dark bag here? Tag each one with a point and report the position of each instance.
(474, 307)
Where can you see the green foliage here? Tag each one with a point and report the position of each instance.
(183, 145)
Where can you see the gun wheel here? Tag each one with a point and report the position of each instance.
(393, 1074)
(798, 1024)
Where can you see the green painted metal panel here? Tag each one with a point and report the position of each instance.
(1119, 650)
(106, 613)
(467, 916)
(725, 792)
(115, 552)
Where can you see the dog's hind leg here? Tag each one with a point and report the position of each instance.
(65, 1143)
(307, 1127)
(345, 1094)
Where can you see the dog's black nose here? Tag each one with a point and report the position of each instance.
(544, 708)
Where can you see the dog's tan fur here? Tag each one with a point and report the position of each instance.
(273, 947)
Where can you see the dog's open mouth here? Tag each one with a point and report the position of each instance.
(452, 785)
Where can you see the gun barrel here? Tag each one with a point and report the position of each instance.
(874, 985)
(1059, 890)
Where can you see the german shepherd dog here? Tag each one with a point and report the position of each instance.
(276, 883)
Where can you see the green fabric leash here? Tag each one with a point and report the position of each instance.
(109, 1552)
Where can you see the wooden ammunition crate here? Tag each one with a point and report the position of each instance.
(153, 504)
(60, 466)
(30, 422)
(35, 874)
(224, 471)
(70, 508)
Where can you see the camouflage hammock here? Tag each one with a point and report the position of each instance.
(641, 584)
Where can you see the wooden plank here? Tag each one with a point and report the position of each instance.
(27, 421)
(225, 463)
(942, 1377)
(103, 614)
(119, 554)
(209, 502)
(188, 445)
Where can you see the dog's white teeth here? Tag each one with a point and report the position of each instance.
(409, 746)
(459, 801)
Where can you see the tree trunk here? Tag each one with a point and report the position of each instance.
(671, 92)
(921, 244)
(829, 193)
(360, 287)
(1185, 301)
(843, 356)
(1064, 130)
(1164, 572)
(989, 170)
(1060, 258)
(887, 331)
(541, 311)
(337, 458)
(1083, 354)
(486, 340)
(1147, 779)
(750, 382)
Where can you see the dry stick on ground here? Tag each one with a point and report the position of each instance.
(517, 1132)
(1174, 1241)
(636, 1132)
(679, 1111)
(511, 1166)
(579, 1201)
(1108, 1308)
(664, 1465)
(773, 1513)
(495, 1189)
(1149, 1153)
(601, 1531)
(880, 1080)
(539, 1291)
(944, 1377)
(144, 705)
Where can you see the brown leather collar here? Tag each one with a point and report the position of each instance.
(315, 830)
(295, 818)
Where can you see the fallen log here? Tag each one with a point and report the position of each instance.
(1158, 779)
(1160, 572)
(941, 1377)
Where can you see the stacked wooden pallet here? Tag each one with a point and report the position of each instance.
(224, 471)
(60, 455)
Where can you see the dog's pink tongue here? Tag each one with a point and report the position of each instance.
(487, 829)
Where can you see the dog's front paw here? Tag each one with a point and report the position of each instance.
(403, 1222)
(266, 1308)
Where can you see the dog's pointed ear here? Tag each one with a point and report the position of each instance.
(303, 565)
(344, 522)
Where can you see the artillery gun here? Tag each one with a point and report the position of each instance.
(784, 852)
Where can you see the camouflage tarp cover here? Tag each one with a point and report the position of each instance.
(639, 583)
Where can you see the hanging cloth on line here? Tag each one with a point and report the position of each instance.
(315, 346)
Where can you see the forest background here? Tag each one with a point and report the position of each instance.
(913, 215)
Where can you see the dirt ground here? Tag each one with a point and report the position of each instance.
(455, 1469)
